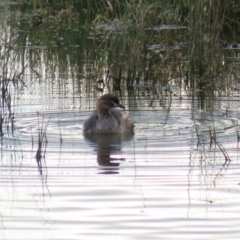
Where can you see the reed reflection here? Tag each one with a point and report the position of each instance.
(106, 145)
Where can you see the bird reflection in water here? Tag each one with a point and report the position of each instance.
(108, 144)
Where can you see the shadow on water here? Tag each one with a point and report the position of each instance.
(106, 145)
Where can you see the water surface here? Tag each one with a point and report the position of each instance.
(177, 177)
(162, 183)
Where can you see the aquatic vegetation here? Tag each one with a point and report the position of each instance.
(42, 144)
(108, 44)
(139, 41)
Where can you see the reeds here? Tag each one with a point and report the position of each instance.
(42, 143)
(10, 75)
(148, 40)
(158, 41)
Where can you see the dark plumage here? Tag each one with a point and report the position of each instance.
(107, 118)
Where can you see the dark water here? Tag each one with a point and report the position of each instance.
(176, 178)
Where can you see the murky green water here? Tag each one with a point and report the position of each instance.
(170, 180)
